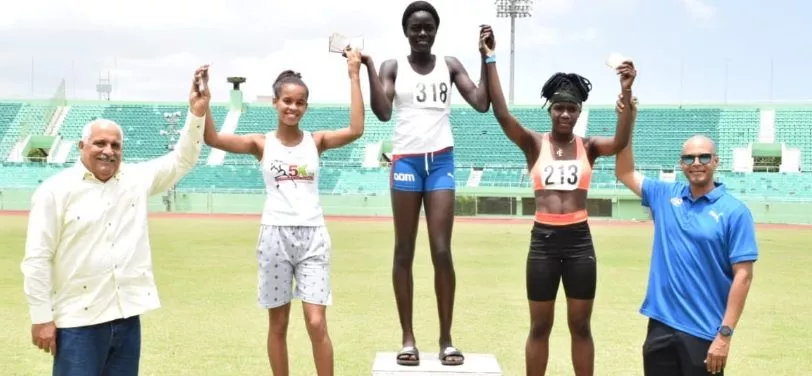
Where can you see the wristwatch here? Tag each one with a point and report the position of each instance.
(725, 331)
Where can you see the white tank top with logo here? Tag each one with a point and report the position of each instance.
(291, 175)
(422, 106)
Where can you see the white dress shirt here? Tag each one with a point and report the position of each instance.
(87, 253)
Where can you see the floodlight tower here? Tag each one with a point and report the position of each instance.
(171, 131)
(513, 9)
(104, 87)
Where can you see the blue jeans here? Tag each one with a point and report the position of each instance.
(108, 349)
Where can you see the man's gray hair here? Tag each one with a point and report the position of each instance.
(87, 131)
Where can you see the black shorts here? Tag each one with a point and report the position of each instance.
(561, 253)
(670, 352)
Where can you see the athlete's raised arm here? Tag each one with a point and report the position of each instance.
(624, 162)
(232, 143)
(476, 96)
(521, 136)
(332, 139)
(381, 87)
(605, 146)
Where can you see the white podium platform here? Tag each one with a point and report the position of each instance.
(475, 365)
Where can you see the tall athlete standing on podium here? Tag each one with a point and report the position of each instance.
(423, 164)
(560, 165)
(293, 242)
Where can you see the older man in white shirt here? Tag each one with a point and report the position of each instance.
(88, 264)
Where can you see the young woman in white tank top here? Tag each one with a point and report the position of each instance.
(423, 164)
(293, 237)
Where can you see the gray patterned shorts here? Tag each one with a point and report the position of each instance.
(293, 253)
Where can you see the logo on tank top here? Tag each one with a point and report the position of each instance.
(291, 172)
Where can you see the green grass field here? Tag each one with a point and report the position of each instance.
(210, 325)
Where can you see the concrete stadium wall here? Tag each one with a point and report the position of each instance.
(625, 206)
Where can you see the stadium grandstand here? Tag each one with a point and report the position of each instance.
(765, 152)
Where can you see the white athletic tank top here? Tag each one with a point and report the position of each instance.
(422, 105)
(291, 175)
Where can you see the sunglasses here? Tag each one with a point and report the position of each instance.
(689, 159)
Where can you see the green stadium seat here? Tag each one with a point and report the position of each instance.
(8, 112)
(480, 143)
(794, 128)
(20, 121)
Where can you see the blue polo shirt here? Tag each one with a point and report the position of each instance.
(696, 242)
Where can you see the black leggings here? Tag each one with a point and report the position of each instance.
(561, 253)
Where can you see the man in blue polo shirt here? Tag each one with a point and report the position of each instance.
(701, 263)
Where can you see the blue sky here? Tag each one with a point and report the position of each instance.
(151, 47)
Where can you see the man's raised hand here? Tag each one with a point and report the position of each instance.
(200, 95)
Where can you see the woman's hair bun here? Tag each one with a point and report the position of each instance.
(288, 74)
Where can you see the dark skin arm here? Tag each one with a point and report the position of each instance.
(624, 163)
(741, 242)
(381, 87)
(716, 359)
(477, 97)
(607, 146)
(742, 277)
(524, 138)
